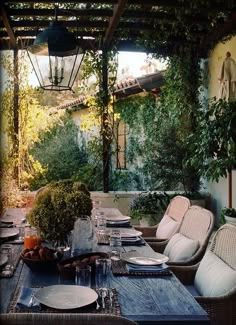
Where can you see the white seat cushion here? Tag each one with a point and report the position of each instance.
(180, 248)
(167, 227)
(214, 277)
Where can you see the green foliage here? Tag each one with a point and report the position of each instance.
(59, 153)
(57, 207)
(229, 212)
(214, 140)
(149, 203)
(164, 124)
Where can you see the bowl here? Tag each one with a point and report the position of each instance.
(41, 259)
(67, 267)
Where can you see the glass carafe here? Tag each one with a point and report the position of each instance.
(82, 235)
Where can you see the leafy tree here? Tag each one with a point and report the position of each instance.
(59, 152)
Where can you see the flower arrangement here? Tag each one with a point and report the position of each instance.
(57, 206)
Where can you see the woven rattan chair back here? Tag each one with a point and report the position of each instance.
(177, 207)
(224, 244)
(63, 319)
(197, 224)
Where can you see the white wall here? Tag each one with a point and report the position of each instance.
(219, 191)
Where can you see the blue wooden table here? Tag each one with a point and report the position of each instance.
(145, 299)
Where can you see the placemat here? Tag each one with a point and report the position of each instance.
(8, 274)
(119, 268)
(104, 240)
(114, 309)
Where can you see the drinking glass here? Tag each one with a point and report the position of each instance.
(115, 255)
(103, 270)
(101, 224)
(8, 251)
(115, 238)
(83, 275)
(21, 228)
(31, 238)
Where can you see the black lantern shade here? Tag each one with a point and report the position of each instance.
(56, 57)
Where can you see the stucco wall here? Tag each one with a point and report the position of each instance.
(219, 191)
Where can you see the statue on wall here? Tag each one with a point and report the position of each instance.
(227, 79)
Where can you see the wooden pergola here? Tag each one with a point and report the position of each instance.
(128, 25)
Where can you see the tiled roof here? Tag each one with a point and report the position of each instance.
(123, 89)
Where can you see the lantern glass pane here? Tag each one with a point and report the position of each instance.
(56, 72)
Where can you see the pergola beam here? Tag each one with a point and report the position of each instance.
(7, 25)
(114, 21)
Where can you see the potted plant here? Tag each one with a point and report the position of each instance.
(148, 207)
(228, 215)
(57, 207)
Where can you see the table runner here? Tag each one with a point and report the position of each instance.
(119, 268)
(114, 310)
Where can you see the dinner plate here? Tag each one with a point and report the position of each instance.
(127, 233)
(3, 260)
(119, 222)
(12, 219)
(144, 260)
(117, 218)
(130, 239)
(66, 296)
(8, 232)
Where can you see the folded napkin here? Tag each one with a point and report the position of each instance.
(26, 300)
(147, 268)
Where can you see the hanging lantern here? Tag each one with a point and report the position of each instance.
(56, 57)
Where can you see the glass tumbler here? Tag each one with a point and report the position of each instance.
(31, 238)
(8, 251)
(103, 271)
(115, 238)
(83, 275)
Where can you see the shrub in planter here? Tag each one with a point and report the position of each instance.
(149, 204)
(228, 215)
(57, 207)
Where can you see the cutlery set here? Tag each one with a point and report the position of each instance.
(105, 296)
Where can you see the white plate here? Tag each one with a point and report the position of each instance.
(127, 233)
(12, 219)
(66, 296)
(109, 222)
(130, 239)
(5, 232)
(3, 260)
(117, 218)
(144, 260)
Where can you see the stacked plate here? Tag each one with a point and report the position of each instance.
(130, 235)
(118, 221)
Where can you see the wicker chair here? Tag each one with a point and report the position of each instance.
(221, 309)
(176, 210)
(197, 225)
(62, 319)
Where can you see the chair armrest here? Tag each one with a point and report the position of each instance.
(153, 239)
(159, 246)
(185, 274)
(147, 231)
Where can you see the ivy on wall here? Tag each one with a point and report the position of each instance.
(159, 129)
